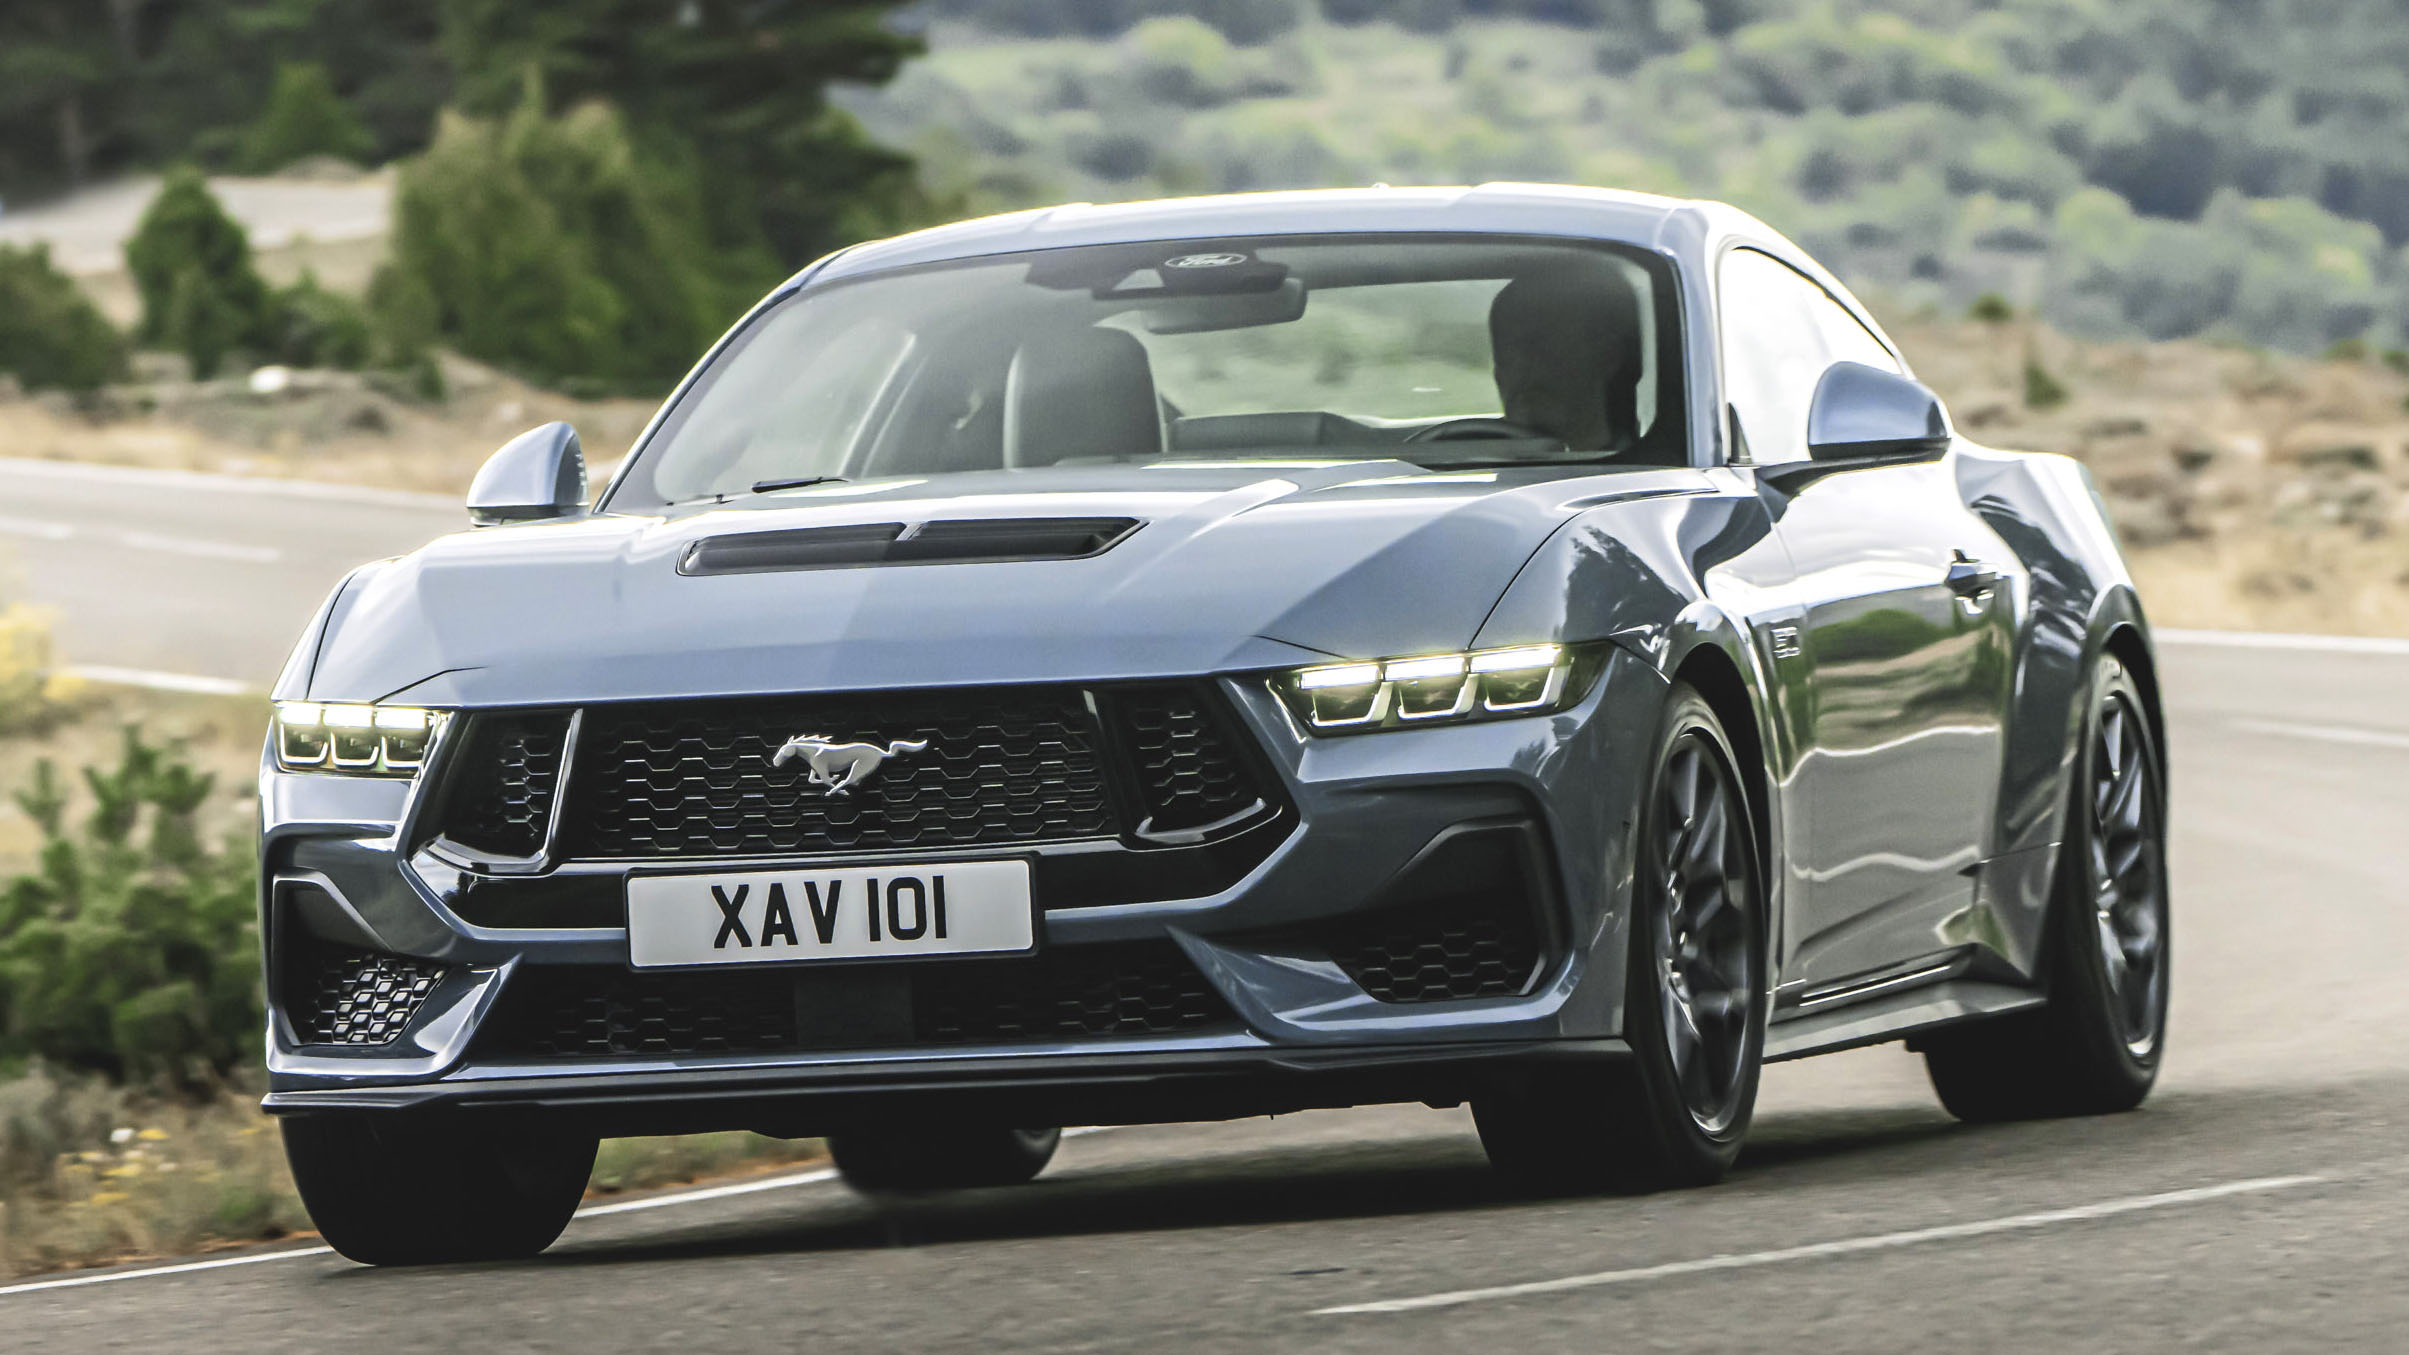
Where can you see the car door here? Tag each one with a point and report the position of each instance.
(1903, 603)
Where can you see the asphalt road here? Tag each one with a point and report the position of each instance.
(2259, 1202)
(197, 575)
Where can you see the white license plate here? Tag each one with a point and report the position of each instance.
(858, 913)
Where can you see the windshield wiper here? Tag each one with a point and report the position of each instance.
(799, 482)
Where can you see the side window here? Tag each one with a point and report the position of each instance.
(1773, 353)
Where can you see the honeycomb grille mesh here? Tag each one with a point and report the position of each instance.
(1133, 989)
(1187, 764)
(1440, 953)
(1087, 991)
(363, 998)
(565, 1012)
(509, 776)
(1001, 766)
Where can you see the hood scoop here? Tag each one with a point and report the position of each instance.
(943, 541)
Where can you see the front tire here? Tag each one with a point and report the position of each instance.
(941, 1157)
(2095, 1047)
(397, 1190)
(1675, 1112)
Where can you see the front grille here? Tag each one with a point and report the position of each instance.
(354, 997)
(1144, 988)
(1001, 767)
(1188, 765)
(501, 798)
(573, 1011)
(1083, 991)
(1439, 952)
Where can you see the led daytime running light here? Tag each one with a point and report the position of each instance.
(1517, 680)
(355, 739)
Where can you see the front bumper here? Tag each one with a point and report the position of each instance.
(1367, 816)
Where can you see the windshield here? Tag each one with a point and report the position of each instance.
(1442, 352)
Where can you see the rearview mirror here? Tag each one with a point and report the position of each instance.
(539, 474)
(1865, 414)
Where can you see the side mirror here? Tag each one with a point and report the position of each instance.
(1864, 414)
(539, 474)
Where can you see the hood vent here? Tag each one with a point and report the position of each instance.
(946, 541)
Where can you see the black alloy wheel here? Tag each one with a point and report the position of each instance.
(1675, 1111)
(1705, 934)
(2094, 1047)
(2126, 885)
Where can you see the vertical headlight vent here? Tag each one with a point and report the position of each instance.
(1431, 688)
(356, 740)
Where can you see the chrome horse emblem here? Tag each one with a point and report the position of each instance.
(839, 767)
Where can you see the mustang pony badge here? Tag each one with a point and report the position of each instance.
(841, 766)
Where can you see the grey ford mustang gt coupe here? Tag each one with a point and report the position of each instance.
(1526, 646)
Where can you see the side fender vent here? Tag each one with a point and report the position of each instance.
(945, 541)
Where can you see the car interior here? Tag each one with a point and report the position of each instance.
(1445, 354)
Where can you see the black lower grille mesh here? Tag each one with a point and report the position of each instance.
(1185, 759)
(1135, 989)
(564, 1012)
(360, 998)
(998, 766)
(1082, 991)
(1439, 952)
(509, 773)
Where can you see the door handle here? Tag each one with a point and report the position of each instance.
(1969, 577)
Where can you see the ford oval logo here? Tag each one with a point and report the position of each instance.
(1205, 261)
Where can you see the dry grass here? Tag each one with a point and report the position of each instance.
(330, 426)
(97, 1175)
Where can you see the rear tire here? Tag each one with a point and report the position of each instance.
(2095, 1047)
(398, 1190)
(1675, 1112)
(941, 1157)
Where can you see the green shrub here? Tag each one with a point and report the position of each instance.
(549, 246)
(311, 327)
(304, 117)
(1991, 309)
(50, 332)
(191, 262)
(130, 951)
(2041, 390)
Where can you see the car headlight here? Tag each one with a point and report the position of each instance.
(356, 740)
(1430, 688)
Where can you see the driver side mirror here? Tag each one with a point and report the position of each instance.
(539, 474)
(1869, 416)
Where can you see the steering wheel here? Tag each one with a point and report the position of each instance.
(1475, 429)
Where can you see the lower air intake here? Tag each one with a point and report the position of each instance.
(362, 998)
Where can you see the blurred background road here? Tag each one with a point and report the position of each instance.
(2261, 1200)
(161, 574)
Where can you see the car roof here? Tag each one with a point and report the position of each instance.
(1488, 209)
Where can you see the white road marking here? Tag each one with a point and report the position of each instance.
(2372, 738)
(2249, 639)
(79, 1281)
(46, 531)
(162, 682)
(1849, 1246)
(592, 1211)
(229, 484)
(214, 550)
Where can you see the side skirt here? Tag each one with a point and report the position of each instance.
(1893, 1016)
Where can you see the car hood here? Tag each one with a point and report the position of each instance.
(1234, 567)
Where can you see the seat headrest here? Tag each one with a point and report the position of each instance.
(1565, 346)
(1081, 393)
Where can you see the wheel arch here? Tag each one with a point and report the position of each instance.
(1717, 677)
